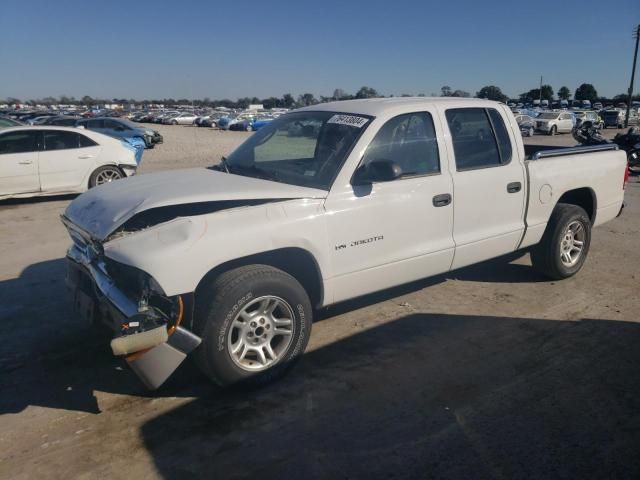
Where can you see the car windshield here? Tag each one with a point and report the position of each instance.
(548, 116)
(300, 148)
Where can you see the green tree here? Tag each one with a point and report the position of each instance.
(564, 93)
(340, 94)
(86, 100)
(491, 92)
(307, 99)
(367, 92)
(287, 100)
(460, 93)
(547, 92)
(446, 91)
(586, 91)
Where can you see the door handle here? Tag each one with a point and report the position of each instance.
(442, 200)
(86, 156)
(514, 187)
(25, 162)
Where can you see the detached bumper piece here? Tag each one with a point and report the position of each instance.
(155, 365)
(152, 348)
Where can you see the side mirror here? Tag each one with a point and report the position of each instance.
(377, 171)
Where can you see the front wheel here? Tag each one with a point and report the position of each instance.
(104, 175)
(531, 131)
(174, 122)
(565, 243)
(553, 130)
(255, 323)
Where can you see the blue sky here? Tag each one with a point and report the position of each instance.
(196, 49)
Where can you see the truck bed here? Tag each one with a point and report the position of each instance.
(534, 152)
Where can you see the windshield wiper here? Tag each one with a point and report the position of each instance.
(223, 163)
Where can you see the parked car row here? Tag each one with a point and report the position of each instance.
(552, 122)
(224, 120)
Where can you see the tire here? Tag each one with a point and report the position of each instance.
(105, 174)
(248, 128)
(173, 122)
(230, 318)
(553, 130)
(531, 131)
(549, 256)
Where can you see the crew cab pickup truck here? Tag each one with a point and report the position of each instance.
(321, 205)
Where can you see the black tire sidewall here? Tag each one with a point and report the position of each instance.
(566, 216)
(214, 356)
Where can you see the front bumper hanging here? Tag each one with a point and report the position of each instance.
(153, 354)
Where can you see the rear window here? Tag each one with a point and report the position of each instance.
(60, 140)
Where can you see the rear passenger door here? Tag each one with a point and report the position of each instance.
(489, 182)
(66, 161)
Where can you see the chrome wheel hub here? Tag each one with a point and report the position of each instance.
(261, 333)
(572, 243)
(107, 176)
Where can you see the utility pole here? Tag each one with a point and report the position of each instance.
(540, 99)
(636, 35)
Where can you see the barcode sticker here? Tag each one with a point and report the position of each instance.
(351, 120)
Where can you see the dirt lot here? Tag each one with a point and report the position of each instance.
(487, 372)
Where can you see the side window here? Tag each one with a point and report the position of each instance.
(18, 142)
(474, 143)
(500, 130)
(408, 140)
(60, 140)
(115, 125)
(86, 141)
(95, 124)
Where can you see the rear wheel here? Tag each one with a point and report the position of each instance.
(255, 323)
(174, 122)
(565, 243)
(104, 175)
(531, 131)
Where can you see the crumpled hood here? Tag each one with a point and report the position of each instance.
(103, 209)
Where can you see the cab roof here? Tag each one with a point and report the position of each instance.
(378, 106)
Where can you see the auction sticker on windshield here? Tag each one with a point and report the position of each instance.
(351, 120)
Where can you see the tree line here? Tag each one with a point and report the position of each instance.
(585, 91)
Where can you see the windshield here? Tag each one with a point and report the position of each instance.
(548, 116)
(300, 148)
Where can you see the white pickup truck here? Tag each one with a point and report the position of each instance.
(324, 204)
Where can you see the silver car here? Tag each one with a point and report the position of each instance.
(181, 119)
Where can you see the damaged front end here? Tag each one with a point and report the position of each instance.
(150, 327)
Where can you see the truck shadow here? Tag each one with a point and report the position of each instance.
(53, 359)
(427, 396)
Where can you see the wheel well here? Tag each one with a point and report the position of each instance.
(297, 262)
(582, 197)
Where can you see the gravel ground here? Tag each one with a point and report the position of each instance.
(486, 372)
(186, 146)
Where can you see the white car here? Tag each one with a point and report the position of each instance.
(322, 205)
(181, 119)
(554, 122)
(45, 160)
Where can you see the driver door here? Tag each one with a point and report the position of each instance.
(393, 232)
